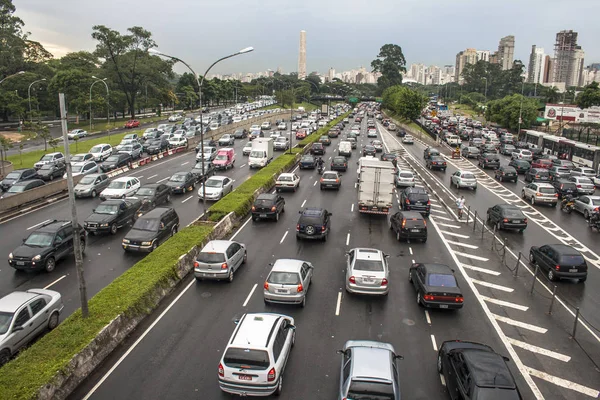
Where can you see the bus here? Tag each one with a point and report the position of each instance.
(580, 153)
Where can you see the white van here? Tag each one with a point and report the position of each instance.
(453, 140)
(391, 127)
(345, 149)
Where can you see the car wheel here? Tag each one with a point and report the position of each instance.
(276, 217)
(154, 246)
(303, 303)
(551, 276)
(410, 276)
(532, 201)
(173, 231)
(82, 242)
(500, 178)
(50, 264)
(279, 386)
(398, 236)
(586, 214)
(523, 194)
(113, 229)
(531, 258)
(51, 177)
(4, 357)
(419, 301)
(245, 257)
(439, 363)
(94, 194)
(230, 276)
(53, 321)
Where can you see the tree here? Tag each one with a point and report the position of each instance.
(506, 111)
(12, 40)
(589, 97)
(405, 102)
(41, 130)
(390, 62)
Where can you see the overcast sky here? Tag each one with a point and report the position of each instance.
(343, 34)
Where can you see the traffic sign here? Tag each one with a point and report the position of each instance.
(353, 99)
(379, 99)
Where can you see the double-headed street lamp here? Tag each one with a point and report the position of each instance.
(29, 97)
(200, 83)
(107, 108)
(10, 76)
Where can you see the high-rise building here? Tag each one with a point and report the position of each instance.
(547, 69)
(468, 56)
(302, 56)
(506, 52)
(483, 55)
(331, 74)
(535, 70)
(567, 65)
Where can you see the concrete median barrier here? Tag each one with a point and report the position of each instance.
(23, 199)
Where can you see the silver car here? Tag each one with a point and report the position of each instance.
(586, 205)
(369, 367)
(367, 271)
(217, 187)
(463, 179)
(584, 184)
(583, 171)
(23, 316)
(288, 282)
(404, 179)
(219, 259)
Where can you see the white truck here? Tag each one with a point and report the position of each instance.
(261, 153)
(375, 187)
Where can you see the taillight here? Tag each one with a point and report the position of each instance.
(352, 279)
(555, 194)
(253, 208)
(525, 220)
(539, 194)
(505, 220)
(196, 265)
(322, 179)
(273, 208)
(323, 228)
(403, 223)
(297, 227)
(300, 288)
(266, 285)
(428, 202)
(384, 282)
(224, 266)
(221, 370)
(271, 375)
(579, 186)
(459, 299)
(425, 223)
(557, 267)
(428, 297)
(407, 201)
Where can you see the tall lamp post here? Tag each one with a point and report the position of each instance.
(10, 76)
(107, 109)
(29, 97)
(200, 83)
(521, 109)
(485, 93)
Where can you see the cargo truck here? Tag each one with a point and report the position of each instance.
(261, 153)
(375, 187)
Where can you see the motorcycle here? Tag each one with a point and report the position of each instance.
(594, 221)
(567, 204)
(320, 169)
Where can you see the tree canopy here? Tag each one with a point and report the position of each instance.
(506, 111)
(390, 62)
(405, 102)
(590, 96)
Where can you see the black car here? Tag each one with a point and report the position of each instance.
(415, 199)
(537, 153)
(369, 150)
(521, 166)
(537, 174)
(181, 182)
(388, 157)
(48, 172)
(314, 223)
(209, 170)
(308, 162)
(430, 152)
(506, 173)
(317, 149)
(18, 175)
(559, 261)
(436, 162)
(240, 134)
(401, 133)
(474, 371)
(110, 215)
(155, 146)
(506, 216)
(23, 186)
(151, 229)
(564, 187)
(409, 225)
(333, 133)
(268, 206)
(436, 286)
(339, 163)
(116, 161)
(489, 160)
(45, 246)
(152, 195)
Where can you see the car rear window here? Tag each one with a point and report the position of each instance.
(406, 175)
(370, 390)
(418, 197)
(368, 265)
(284, 278)
(569, 185)
(414, 223)
(571, 259)
(596, 202)
(508, 213)
(546, 190)
(208, 257)
(468, 176)
(445, 280)
(246, 358)
(263, 202)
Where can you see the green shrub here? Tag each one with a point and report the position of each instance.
(132, 293)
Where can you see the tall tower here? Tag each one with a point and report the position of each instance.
(568, 59)
(302, 56)
(506, 52)
(535, 72)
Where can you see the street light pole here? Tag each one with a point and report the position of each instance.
(521, 109)
(485, 95)
(29, 97)
(10, 76)
(91, 86)
(200, 83)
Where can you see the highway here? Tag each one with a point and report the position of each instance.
(176, 352)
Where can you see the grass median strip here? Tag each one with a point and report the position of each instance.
(133, 294)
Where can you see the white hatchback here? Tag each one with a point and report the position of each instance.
(464, 179)
(120, 188)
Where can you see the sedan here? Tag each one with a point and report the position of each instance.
(369, 150)
(115, 161)
(200, 173)
(378, 145)
(76, 134)
(330, 180)
(182, 182)
(506, 216)
(367, 271)
(287, 181)
(240, 134)
(227, 140)
(133, 123)
(308, 162)
(216, 188)
(587, 205)
(583, 171)
(407, 139)
(339, 163)
(522, 154)
(50, 171)
(584, 184)
(247, 149)
(372, 133)
(521, 166)
(470, 152)
(91, 185)
(537, 174)
(436, 286)
(507, 149)
(542, 163)
(506, 173)
(436, 162)
(268, 206)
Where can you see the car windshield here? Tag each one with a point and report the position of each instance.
(246, 358)
(339, 160)
(256, 153)
(127, 148)
(214, 183)
(78, 168)
(284, 278)
(209, 257)
(177, 178)
(329, 175)
(571, 259)
(222, 157)
(16, 189)
(263, 202)
(87, 180)
(13, 175)
(307, 159)
(281, 139)
(145, 192)
(445, 280)
(112, 159)
(562, 170)
(369, 390)
(199, 165)
(146, 224)
(369, 148)
(406, 175)
(368, 265)
(117, 185)
(40, 239)
(586, 181)
(47, 158)
(108, 209)
(5, 319)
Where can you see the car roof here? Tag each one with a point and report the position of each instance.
(113, 201)
(505, 206)
(156, 213)
(363, 253)
(563, 249)
(411, 215)
(217, 246)
(123, 178)
(287, 265)
(255, 330)
(434, 268)
(219, 177)
(52, 226)
(26, 182)
(488, 368)
(11, 302)
(266, 196)
(286, 174)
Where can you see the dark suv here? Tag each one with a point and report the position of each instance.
(268, 205)
(115, 161)
(436, 162)
(409, 225)
(317, 149)
(110, 215)
(489, 160)
(151, 229)
(415, 199)
(314, 223)
(45, 246)
(564, 187)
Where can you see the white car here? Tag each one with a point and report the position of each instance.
(583, 171)
(596, 181)
(266, 125)
(522, 154)
(83, 168)
(217, 187)
(101, 151)
(178, 141)
(408, 139)
(282, 126)
(236, 119)
(76, 134)
(464, 179)
(214, 125)
(247, 149)
(281, 143)
(175, 118)
(81, 157)
(255, 127)
(275, 135)
(120, 188)
(287, 181)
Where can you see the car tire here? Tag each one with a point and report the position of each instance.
(94, 193)
(154, 246)
(113, 229)
(531, 259)
(532, 201)
(583, 279)
(424, 240)
(419, 300)
(586, 214)
(303, 303)
(50, 264)
(173, 231)
(53, 320)
(551, 276)
(523, 195)
(276, 217)
(410, 276)
(230, 276)
(279, 387)
(498, 226)
(4, 357)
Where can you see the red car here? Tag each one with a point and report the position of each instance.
(300, 134)
(132, 123)
(542, 163)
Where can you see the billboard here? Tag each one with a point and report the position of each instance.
(324, 109)
(572, 113)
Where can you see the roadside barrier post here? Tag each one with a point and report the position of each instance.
(537, 267)
(468, 213)
(504, 251)
(575, 322)
(518, 263)
(493, 237)
(482, 228)
(475, 221)
(552, 300)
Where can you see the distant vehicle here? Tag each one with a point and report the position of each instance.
(76, 134)
(376, 186)
(132, 123)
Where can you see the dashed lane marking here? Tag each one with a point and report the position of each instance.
(338, 304)
(250, 295)
(482, 270)
(352, 208)
(539, 350)
(520, 324)
(448, 225)
(455, 234)
(434, 343)
(493, 286)
(303, 203)
(284, 235)
(468, 246)
(162, 180)
(183, 201)
(505, 303)
(153, 176)
(427, 317)
(347, 239)
(56, 281)
(563, 382)
(458, 253)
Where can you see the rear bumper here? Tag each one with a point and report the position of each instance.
(509, 225)
(375, 290)
(570, 275)
(440, 304)
(412, 235)
(247, 390)
(284, 298)
(215, 274)
(264, 215)
(317, 236)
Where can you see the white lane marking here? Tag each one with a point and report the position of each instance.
(183, 201)
(160, 317)
(444, 218)
(140, 177)
(315, 184)
(36, 225)
(355, 185)
(436, 206)
(442, 379)
(303, 203)
(250, 295)
(162, 180)
(439, 212)
(468, 246)
(242, 166)
(458, 253)
(352, 208)
(427, 317)
(413, 261)
(153, 176)
(56, 281)
(455, 234)
(563, 382)
(539, 350)
(284, 235)
(505, 303)
(187, 162)
(448, 225)
(347, 239)
(479, 269)
(520, 324)
(493, 286)
(410, 250)
(433, 200)
(241, 228)
(339, 304)
(434, 343)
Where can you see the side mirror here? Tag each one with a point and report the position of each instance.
(300, 212)
(386, 255)
(340, 352)
(330, 214)
(398, 357)
(24, 239)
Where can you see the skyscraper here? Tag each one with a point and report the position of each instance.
(506, 52)
(535, 71)
(567, 64)
(468, 56)
(302, 56)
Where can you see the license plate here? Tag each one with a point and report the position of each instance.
(415, 230)
(573, 270)
(443, 306)
(282, 291)
(244, 377)
(20, 263)
(92, 228)
(516, 221)
(368, 280)
(262, 215)
(419, 203)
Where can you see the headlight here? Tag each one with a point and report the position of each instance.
(37, 258)
(10, 256)
(104, 225)
(146, 243)
(125, 240)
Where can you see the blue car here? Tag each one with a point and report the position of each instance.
(308, 162)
